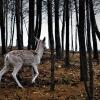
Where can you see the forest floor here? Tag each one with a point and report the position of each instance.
(68, 85)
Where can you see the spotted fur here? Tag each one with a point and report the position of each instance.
(17, 58)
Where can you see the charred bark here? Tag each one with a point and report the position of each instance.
(19, 34)
(31, 40)
(51, 42)
(67, 33)
(83, 58)
(57, 36)
(2, 26)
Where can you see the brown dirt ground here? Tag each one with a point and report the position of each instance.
(68, 85)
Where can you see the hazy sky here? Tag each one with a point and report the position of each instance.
(45, 32)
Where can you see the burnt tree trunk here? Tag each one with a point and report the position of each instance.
(77, 22)
(19, 34)
(2, 26)
(6, 21)
(83, 58)
(51, 42)
(57, 36)
(89, 49)
(21, 19)
(63, 28)
(31, 40)
(67, 33)
(93, 24)
(38, 19)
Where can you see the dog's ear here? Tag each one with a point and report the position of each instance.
(44, 39)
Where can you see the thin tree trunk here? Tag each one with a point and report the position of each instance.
(51, 42)
(93, 20)
(71, 15)
(12, 21)
(19, 34)
(2, 26)
(89, 49)
(40, 19)
(77, 22)
(31, 40)
(76, 11)
(57, 36)
(21, 20)
(12, 33)
(67, 34)
(63, 28)
(83, 58)
(6, 21)
(93, 24)
(37, 18)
